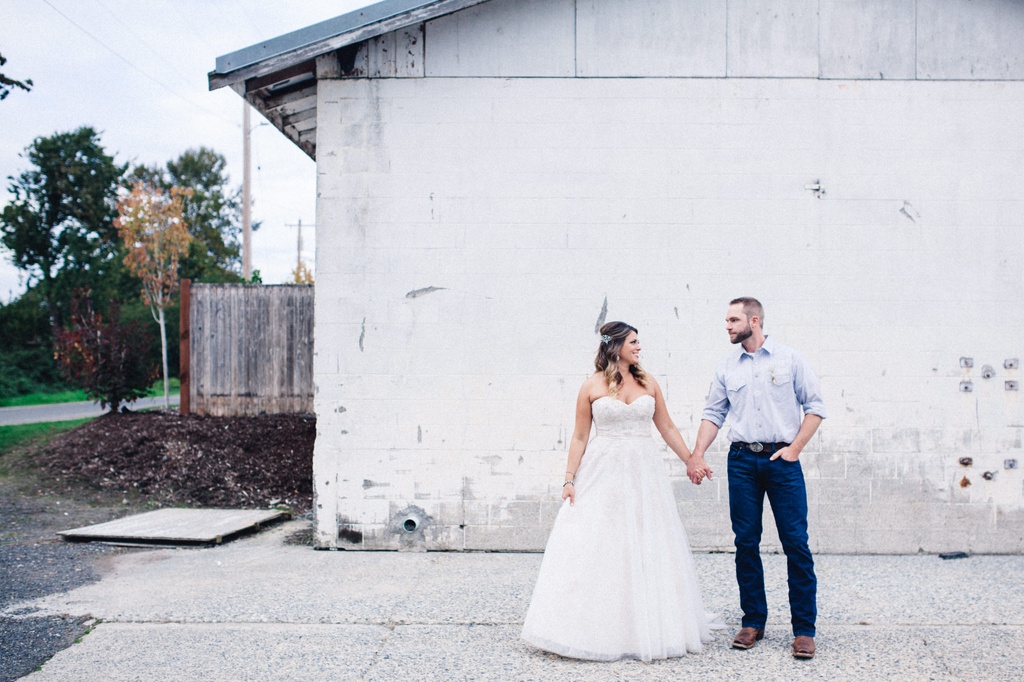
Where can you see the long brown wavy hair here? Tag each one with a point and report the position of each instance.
(607, 360)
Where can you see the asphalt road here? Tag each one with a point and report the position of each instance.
(32, 414)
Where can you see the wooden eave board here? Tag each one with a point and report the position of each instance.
(186, 526)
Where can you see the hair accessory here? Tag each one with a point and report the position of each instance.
(605, 338)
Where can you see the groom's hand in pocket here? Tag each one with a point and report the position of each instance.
(790, 454)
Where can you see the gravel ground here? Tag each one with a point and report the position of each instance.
(27, 643)
(119, 465)
(35, 562)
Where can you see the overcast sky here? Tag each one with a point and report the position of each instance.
(136, 72)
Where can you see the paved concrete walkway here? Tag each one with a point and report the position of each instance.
(59, 412)
(260, 609)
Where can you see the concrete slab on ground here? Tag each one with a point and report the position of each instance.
(263, 609)
(176, 526)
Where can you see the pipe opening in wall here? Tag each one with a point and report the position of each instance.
(410, 524)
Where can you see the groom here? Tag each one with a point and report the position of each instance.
(771, 396)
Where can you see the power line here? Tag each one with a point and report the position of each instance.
(152, 48)
(136, 68)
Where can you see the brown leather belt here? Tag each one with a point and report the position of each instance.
(772, 448)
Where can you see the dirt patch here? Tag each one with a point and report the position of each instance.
(124, 464)
(168, 459)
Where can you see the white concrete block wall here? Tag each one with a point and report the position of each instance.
(952, 33)
(525, 38)
(766, 38)
(656, 38)
(868, 39)
(880, 39)
(470, 232)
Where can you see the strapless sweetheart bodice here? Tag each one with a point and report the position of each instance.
(616, 419)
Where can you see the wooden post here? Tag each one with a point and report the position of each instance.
(184, 345)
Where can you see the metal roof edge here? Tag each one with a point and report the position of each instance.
(309, 35)
(332, 34)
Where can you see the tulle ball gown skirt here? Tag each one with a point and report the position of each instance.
(617, 579)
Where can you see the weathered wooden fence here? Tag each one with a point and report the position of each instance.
(246, 349)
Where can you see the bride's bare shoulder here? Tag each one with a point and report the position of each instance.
(594, 387)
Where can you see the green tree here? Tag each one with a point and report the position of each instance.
(7, 84)
(25, 323)
(26, 354)
(59, 224)
(213, 213)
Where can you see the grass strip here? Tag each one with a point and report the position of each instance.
(19, 434)
(77, 396)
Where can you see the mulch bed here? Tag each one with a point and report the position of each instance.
(236, 462)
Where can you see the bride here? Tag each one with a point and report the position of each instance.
(617, 579)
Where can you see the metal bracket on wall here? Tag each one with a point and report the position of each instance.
(816, 187)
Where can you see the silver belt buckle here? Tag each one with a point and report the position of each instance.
(756, 447)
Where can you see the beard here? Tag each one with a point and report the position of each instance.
(743, 335)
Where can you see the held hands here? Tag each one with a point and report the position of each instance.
(697, 469)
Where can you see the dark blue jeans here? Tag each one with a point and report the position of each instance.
(751, 476)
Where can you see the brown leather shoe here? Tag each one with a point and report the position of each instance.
(803, 647)
(747, 637)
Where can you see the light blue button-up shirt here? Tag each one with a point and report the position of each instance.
(765, 394)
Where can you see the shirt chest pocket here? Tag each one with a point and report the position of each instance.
(735, 385)
(780, 389)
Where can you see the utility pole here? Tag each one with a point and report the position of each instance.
(298, 255)
(246, 197)
(300, 265)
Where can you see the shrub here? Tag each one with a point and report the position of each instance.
(31, 370)
(107, 359)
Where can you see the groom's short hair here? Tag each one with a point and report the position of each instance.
(751, 307)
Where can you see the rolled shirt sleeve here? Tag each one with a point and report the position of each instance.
(805, 384)
(717, 406)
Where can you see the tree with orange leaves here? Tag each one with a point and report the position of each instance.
(154, 232)
(301, 274)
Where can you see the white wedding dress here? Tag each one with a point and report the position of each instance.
(617, 579)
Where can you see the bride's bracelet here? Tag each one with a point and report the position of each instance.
(572, 483)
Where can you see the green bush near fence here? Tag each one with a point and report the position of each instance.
(30, 370)
(19, 434)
